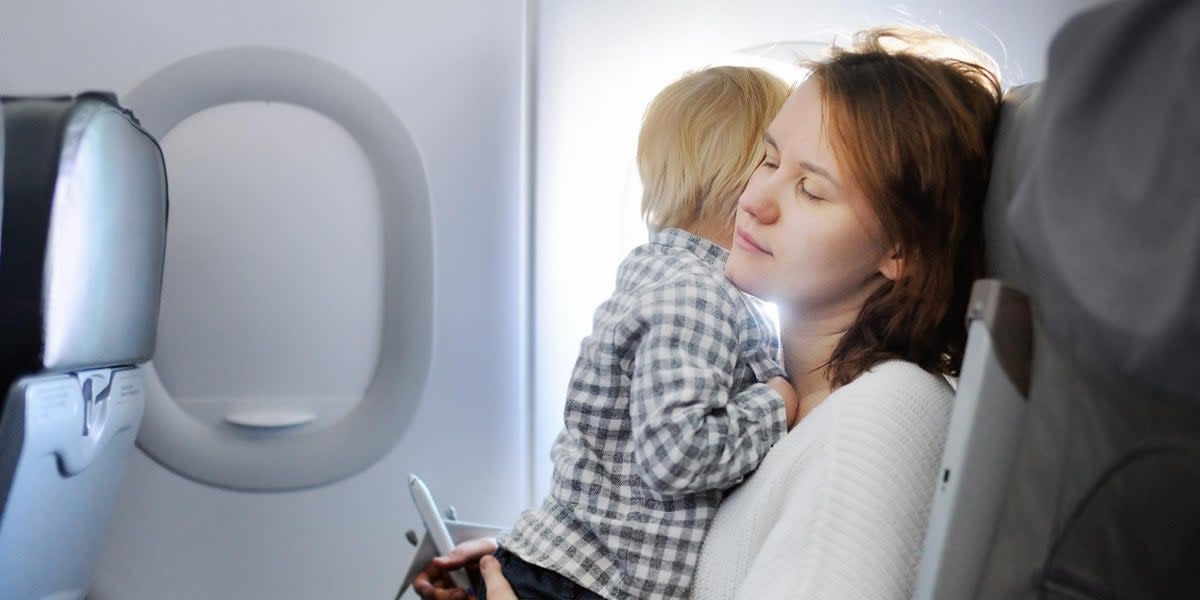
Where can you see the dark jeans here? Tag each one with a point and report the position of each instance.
(532, 582)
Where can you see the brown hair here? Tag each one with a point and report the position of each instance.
(914, 126)
(701, 139)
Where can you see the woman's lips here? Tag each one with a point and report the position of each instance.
(744, 240)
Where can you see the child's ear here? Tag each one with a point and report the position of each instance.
(892, 264)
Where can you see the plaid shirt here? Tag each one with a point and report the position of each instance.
(665, 411)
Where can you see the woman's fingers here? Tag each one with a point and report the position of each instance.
(428, 591)
(433, 583)
(493, 579)
(466, 553)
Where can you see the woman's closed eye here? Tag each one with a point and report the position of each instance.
(769, 162)
(803, 191)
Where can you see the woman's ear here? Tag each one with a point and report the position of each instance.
(892, 264)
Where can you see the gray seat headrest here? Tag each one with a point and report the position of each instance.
(1101, 199)
(82, 236)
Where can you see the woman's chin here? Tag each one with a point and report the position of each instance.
(750, 285)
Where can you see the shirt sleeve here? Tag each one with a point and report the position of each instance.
(691, 431)
(853, 526)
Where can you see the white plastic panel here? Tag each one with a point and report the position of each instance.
(981, 445)
(64, 484)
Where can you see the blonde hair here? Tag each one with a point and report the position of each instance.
(701, 139)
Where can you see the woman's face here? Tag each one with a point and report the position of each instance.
(806, 236)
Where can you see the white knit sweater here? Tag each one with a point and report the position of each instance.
(838, 508)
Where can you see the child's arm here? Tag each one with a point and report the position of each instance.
(790, 401)
(691, 433)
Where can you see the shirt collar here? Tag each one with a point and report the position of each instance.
(705, 250)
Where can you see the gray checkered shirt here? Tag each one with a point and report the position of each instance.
(665, 412)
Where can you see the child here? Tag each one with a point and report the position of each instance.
(677, 394)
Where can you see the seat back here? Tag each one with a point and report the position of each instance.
(1103, 231)
(1093, 215)
(82, 242)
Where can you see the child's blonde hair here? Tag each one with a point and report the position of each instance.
(701, 139)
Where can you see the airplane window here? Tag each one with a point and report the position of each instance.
(272, 298)
(295, 330)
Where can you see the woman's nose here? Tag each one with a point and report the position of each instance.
(759, 201)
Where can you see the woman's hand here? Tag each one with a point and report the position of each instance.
(433, 582)
(493, 579)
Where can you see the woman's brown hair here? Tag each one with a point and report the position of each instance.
(913, 124)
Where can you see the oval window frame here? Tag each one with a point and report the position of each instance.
(238, 458)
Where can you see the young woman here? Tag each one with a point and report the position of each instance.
(863, 224)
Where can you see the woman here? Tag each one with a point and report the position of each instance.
(863, 224)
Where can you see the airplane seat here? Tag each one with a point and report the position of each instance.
(1072, 466)
(83, 210)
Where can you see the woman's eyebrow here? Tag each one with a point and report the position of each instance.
(807, 166)
(803, 164)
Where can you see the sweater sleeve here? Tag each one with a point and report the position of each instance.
(853, 527)
(692, 431)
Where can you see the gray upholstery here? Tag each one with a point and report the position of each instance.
(1093, 213)
(83, 234)
(81, 255)
(1, 177)
(1109, 211)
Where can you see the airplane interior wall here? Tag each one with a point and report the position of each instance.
(287, 191)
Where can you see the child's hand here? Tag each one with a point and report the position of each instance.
(790, 401)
